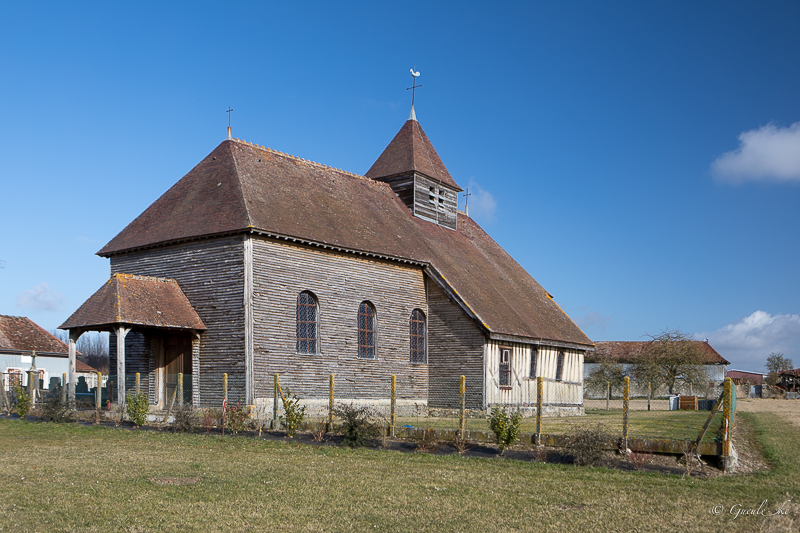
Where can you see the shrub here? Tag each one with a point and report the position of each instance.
(55, 409)
(358, 426)
(234, 417)
(293, 413)
(210, 418)
(23, 404)
(185, 419)
(505, 426)
(136, 407)
(587, 445)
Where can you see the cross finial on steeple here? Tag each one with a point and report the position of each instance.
(229, 111)
(467, 194)
(413, 89)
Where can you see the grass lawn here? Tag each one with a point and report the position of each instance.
(677, 425)
(73, 478)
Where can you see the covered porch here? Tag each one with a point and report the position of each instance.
(155, 332)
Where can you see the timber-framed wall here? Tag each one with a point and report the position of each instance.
(339, 282)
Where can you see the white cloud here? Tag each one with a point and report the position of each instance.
(482, 205)
(40, 298)
(593, 321)
(769, 153)
(747, 343)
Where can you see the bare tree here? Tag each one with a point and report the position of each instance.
(607, 372)
(93, 348)
(777, 363)
(671, 359)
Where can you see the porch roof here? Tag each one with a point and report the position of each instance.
(136, 301)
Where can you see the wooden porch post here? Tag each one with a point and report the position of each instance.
(74, 335)
(121, 332)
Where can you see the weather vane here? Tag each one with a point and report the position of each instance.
(414, 87)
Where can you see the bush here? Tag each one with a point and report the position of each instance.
(23, 400)
(54, 409)
(136, 407)
(358, 426)
(185, 419)
(505, 427)
(210, 418)
(293, 413)
(234, 417)
(588, 444)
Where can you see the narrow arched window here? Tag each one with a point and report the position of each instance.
(307, 323)
(417, 334)
(560, 366)
(534, 355)
(366, 330)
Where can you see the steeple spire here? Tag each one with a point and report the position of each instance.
(413, 89)
(412, 116)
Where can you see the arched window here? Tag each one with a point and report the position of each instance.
(307, 323)
(534, 355)
(560, 366)
(366, 330)
(417, 334)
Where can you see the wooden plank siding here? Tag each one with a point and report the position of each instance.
(522, 391)
(429, 209)
(455, 348)
(211, 274)
(339, 283)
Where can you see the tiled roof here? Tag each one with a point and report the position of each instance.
(243, 187)
(80, 366)
(409, 151)
(138, 301)
(795, 373)
(20, 334)
(630, 351)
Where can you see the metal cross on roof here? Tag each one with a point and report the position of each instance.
(230, 109)
(414, 87)
(467, 194)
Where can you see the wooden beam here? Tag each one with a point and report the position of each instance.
(122, 332)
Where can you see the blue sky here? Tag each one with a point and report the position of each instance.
(641, 161)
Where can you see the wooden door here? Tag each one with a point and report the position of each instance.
(177, 360)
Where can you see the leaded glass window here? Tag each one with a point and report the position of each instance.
(366, 331)
(307, 323)
(418, 345)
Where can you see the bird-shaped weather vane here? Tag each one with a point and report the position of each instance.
(413, 88)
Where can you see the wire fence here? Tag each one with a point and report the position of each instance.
(406, 407)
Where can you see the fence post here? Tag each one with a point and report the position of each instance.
(64, 389)
(98, 392)
(225, 387)
(180, 387)
(626, 393)
(138, 383)
(330, 404)
(727, 421)
(462, 418)
(539, 394)
(275, 402)
(649, 394)
(393, 413)
(608, 395)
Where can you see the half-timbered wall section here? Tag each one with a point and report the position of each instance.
(434, 202)
(339, 283)
(211, 274)
(455, 348)
(521, 388)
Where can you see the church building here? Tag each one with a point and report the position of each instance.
(258, 263)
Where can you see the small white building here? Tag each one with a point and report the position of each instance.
(24, 345)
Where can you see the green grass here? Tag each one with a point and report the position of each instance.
(73, 478)
(677, 425)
